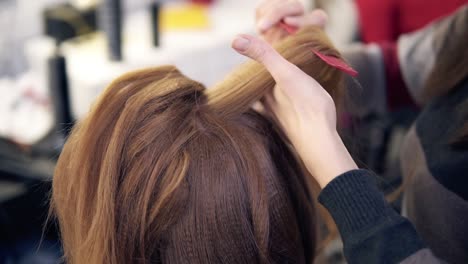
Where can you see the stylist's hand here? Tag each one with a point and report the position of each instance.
(292, 12)
(304, 109)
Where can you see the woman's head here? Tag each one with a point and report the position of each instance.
(162, 170)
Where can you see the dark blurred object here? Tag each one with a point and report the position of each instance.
(155, 8)
(110, 21)
(203, 2)
(25, 184)
(25, 181)
(64, 21)
(58, 86)
(26, 165)
(21, 228)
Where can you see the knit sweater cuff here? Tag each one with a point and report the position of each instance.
(355, 202)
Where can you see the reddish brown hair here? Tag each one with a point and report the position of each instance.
(162, 170)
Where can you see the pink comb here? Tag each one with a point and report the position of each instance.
(330, 60)
(337, 63)
(288, 28)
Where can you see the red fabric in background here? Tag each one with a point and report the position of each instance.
(397, 93)
(383, 21)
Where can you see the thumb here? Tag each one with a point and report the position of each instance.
(260, 51)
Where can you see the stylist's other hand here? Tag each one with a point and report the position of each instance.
(292, 12)
(305, 111)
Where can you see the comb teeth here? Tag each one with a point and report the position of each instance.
(330, 60)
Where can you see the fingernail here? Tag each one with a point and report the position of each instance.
(241, 44)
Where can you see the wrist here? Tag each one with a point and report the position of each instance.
(327, 158)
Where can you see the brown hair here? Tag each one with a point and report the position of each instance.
(162, 170)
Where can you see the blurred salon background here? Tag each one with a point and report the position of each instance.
(56, 56)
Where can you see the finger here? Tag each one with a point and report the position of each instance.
(262, 10)
(271, 5)
(317, 17)
(264, 7)
(260, 51)
(278, 12)
(274, 34)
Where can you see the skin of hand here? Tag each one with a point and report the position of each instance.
(292, 12)
(305, 111)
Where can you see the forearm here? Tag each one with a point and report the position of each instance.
(371, 230)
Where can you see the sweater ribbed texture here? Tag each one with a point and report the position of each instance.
(371, 230)
(355, 202)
